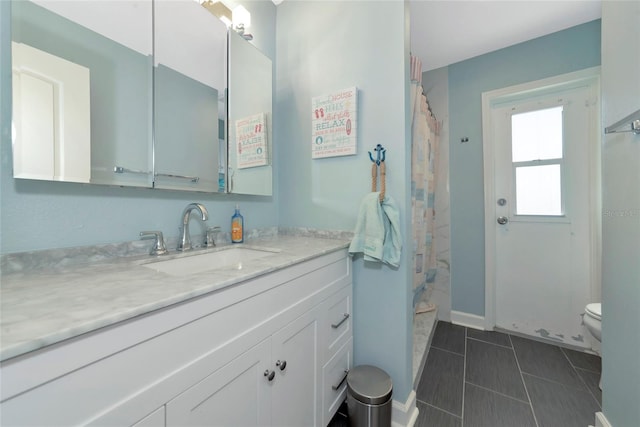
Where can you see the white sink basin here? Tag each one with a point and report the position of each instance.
(232, 257)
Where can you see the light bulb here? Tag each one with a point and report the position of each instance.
(241, 16)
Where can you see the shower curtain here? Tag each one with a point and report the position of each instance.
(425, 131)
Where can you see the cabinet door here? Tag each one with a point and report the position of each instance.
(154, 419)
(295, 397)
(237, 394)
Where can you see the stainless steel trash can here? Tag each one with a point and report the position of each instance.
(369, 392)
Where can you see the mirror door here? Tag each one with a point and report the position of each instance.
(82, 89)
(189, 95)
(250, 119)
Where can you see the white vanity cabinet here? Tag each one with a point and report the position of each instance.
(267, 351)
(272, 383)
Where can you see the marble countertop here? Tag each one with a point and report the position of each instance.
(44, 306)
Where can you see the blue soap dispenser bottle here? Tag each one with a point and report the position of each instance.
(237, 227)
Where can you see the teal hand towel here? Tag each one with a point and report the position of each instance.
(392, 248)
(377, 234)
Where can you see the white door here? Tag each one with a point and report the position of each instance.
(51, 116)
(544, 210)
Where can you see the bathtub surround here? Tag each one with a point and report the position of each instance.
(425, 163)
(425, 171)
(436, 87)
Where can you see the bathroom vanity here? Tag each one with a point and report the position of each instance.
(124, 343)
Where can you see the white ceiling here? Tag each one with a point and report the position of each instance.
(444, 32)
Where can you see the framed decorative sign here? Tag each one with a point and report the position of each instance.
(334, 124)
(251, 138)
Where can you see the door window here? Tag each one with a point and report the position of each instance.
(537, 161)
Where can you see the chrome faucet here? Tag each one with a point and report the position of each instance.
(185, 242)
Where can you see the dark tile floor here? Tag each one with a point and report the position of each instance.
(341, 418)
(479, 378)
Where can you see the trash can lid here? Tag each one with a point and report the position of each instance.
(369, 384)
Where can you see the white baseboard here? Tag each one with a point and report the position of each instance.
(467, 319)
(404, 414)
(601, 420)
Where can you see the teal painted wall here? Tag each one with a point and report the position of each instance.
(41, 215)
(570, 50)
(621, 216)
(325, 46)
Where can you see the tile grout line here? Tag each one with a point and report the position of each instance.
(575, 369)
(498, 393)
(439, 409)
(464, 377)
(526, 390)
(489, 342)
(590, 392)
(559, 383)
(444, 349)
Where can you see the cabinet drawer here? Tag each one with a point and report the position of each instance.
(334, 381)
(338, 320)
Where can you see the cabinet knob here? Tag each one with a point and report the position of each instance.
(281, 364)
(270, 375)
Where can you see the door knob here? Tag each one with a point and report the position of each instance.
(281, 364)
(502, 220)
(269, 374)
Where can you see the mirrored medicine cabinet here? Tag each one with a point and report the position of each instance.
(250, 119)
(138, 93)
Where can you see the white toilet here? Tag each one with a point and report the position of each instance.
(592, 319)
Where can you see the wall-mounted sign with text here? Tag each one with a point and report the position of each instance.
(251, 138)
(334, 130)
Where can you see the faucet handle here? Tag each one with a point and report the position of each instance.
(210, 236)
(159, 247)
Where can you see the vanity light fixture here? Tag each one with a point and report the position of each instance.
(242, 21)
(239, 19)
(218, 9)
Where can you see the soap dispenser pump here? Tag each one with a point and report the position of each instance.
(237, 227)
